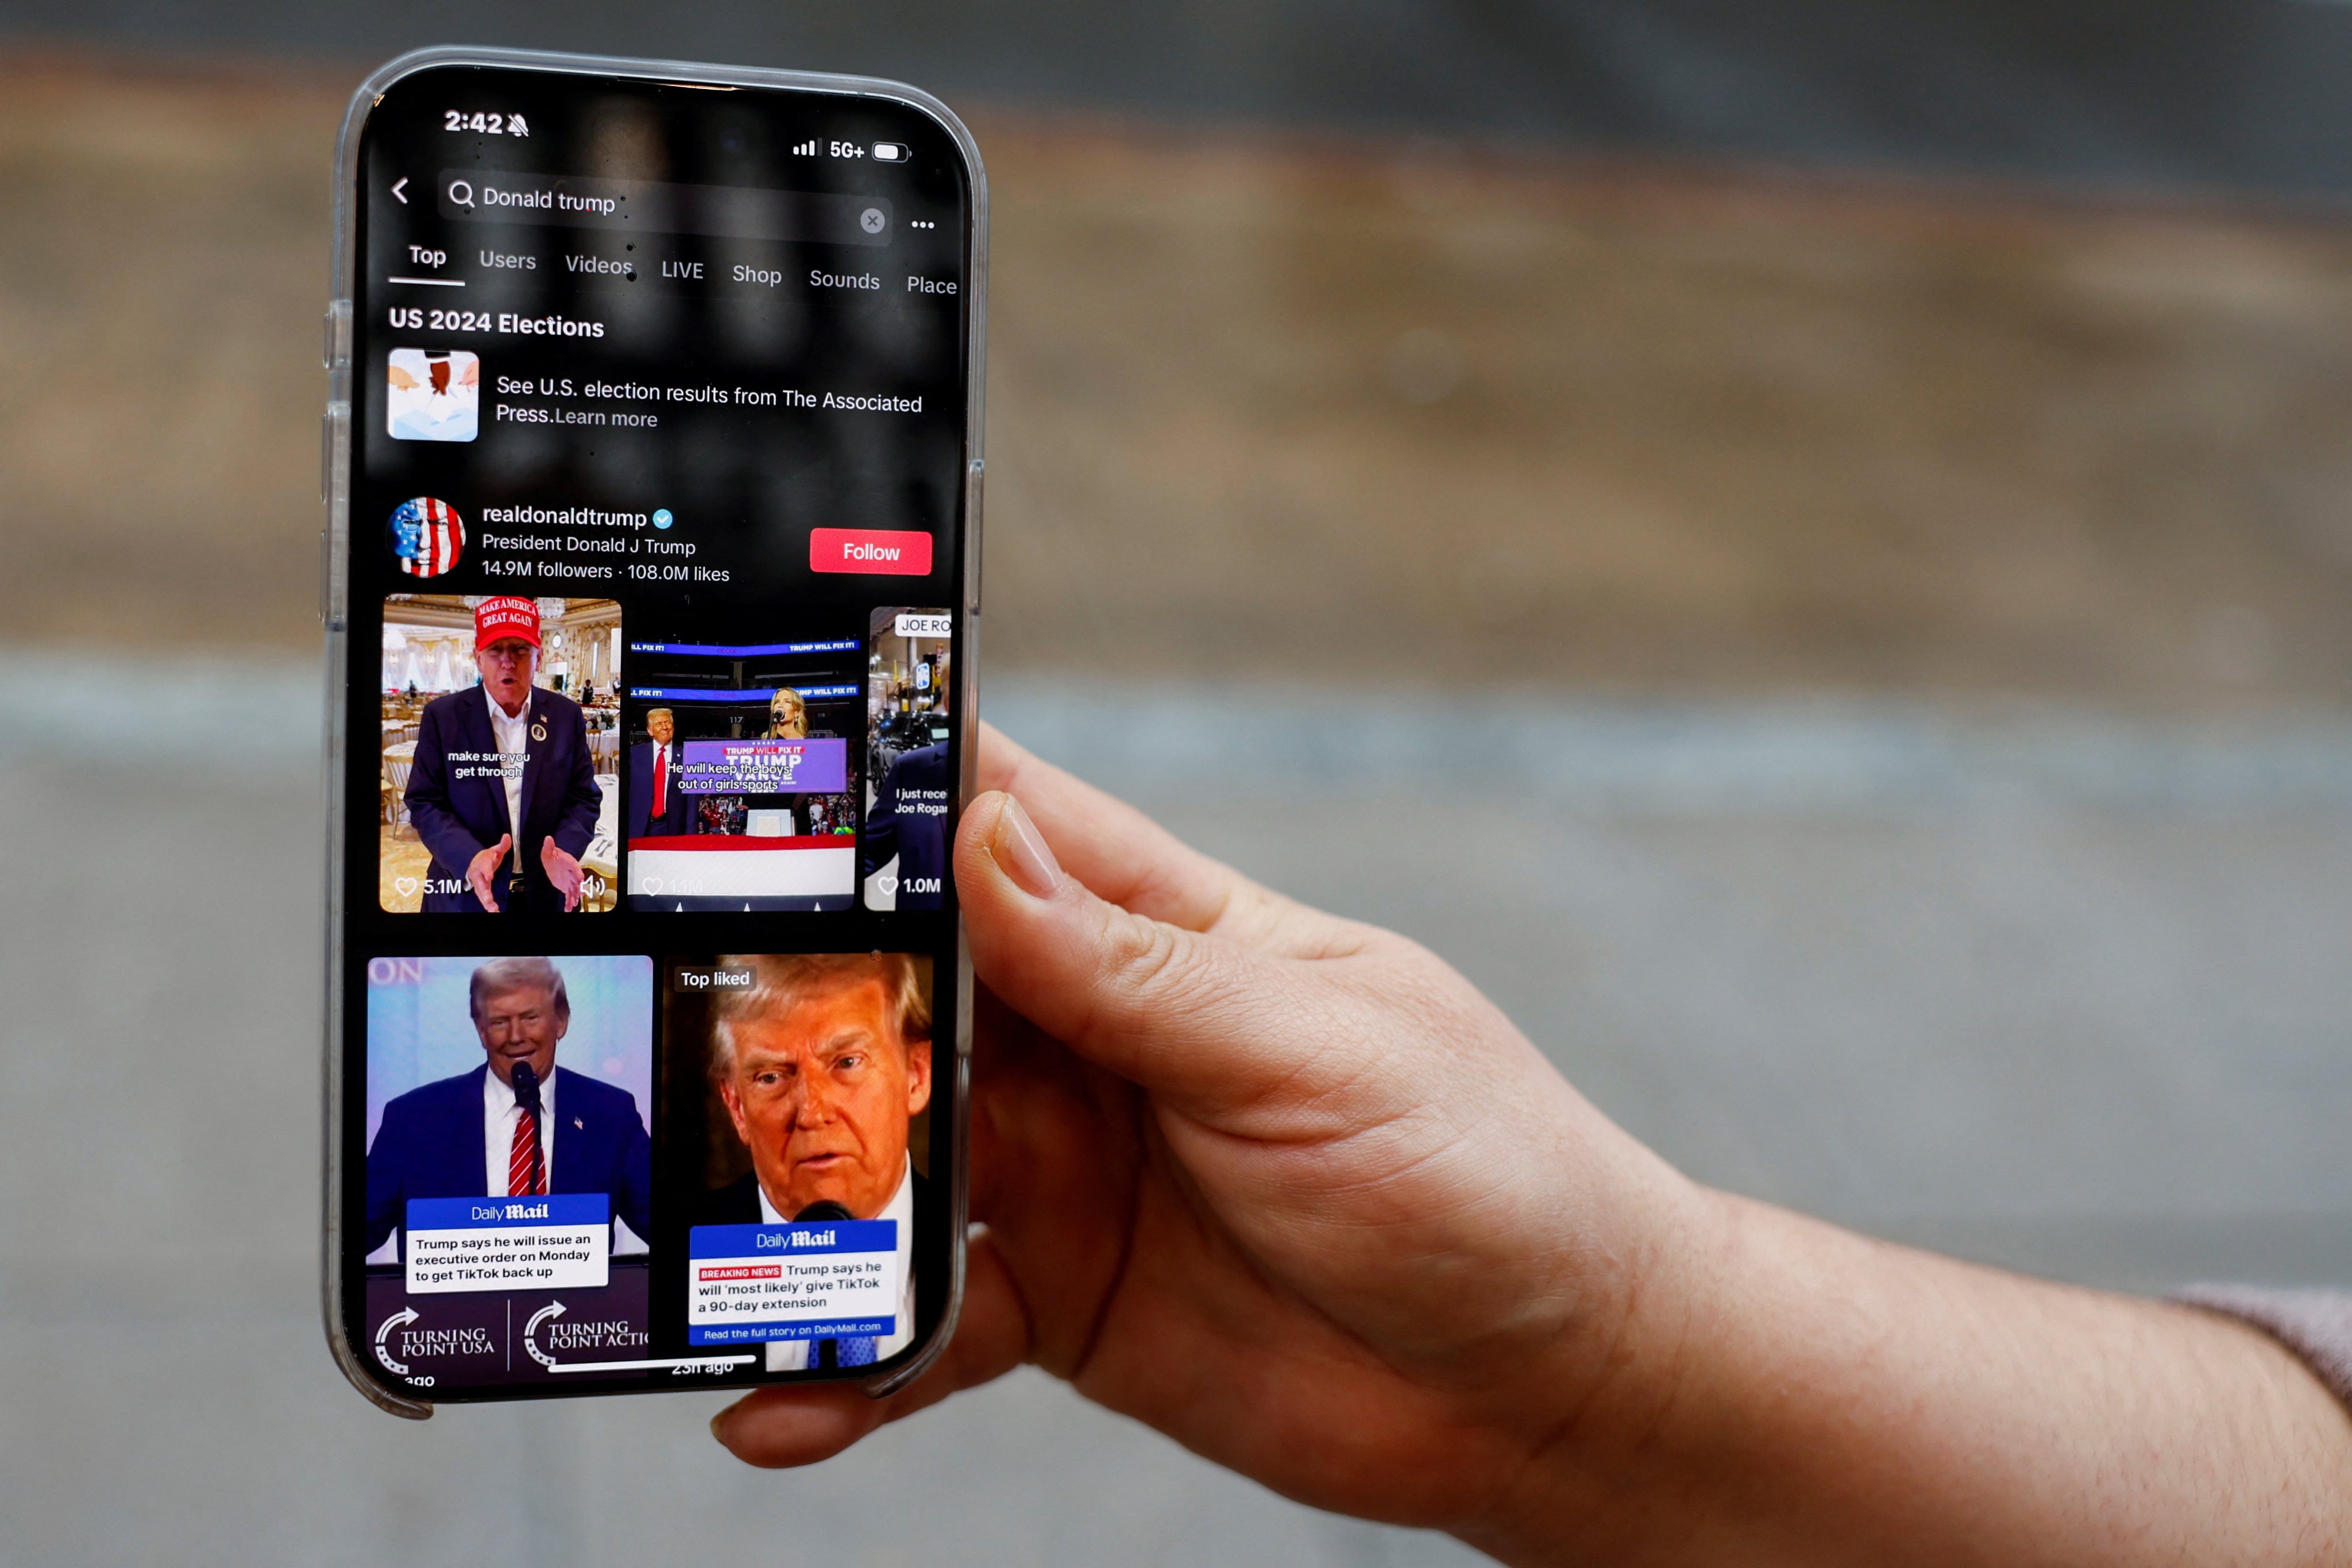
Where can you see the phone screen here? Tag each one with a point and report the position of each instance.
(657, 640)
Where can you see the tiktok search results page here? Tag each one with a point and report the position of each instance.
(658, 420)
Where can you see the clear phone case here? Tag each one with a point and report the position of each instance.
(337, 452)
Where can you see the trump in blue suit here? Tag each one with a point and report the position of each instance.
(653, 768)
(473, 1136)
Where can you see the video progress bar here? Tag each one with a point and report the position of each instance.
(651, 1365)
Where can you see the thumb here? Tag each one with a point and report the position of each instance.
(1210, 1025)
(504, 843)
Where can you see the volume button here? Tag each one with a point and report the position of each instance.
(338, 345)
(973, 484)
(337, 420)
(334, 460)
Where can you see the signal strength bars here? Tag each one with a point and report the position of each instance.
(805, 150)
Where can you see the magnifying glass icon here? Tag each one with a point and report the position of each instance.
(461, 194)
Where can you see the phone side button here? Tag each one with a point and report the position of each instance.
(327, 455)
(337, 347)
(975, 478)
(334, 452)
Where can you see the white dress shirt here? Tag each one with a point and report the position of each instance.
(500, 1113)
(793, 1355)
(512, 737)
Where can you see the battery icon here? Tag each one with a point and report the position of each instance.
(889, 151)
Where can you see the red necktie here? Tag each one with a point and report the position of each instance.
(526, 1177)
(661, 782)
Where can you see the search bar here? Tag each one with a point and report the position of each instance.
(647, 206)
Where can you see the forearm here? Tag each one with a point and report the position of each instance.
(1794, 1393)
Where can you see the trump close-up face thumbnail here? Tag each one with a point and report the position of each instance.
(820, 1081)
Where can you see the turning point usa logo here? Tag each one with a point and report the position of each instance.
(399, 1341)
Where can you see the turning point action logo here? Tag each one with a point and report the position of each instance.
(579, 1334)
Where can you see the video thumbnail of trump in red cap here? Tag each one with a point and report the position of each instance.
(503, 790)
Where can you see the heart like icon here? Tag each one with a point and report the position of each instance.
(888, 885)
(650, 884)
(403, 885)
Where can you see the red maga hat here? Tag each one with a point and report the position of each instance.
(507, 615)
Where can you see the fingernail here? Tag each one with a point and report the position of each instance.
(718, 1424)
(1020, 849)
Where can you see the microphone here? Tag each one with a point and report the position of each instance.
(526, 1093)
(824, 1353)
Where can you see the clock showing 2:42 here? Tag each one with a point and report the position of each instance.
(483, 124)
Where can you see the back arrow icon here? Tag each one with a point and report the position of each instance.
(396, 185)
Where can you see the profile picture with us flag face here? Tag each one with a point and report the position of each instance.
(427, 536)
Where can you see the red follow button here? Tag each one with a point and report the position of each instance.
(896, 553)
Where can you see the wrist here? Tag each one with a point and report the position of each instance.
(1607, 1431)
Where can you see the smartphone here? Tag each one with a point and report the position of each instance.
(651, 579)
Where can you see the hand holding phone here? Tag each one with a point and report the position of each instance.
(1281, 1186)
(1288, 1190)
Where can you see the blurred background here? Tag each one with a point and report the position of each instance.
(1804, 544)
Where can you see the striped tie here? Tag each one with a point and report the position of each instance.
(526, 1177)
